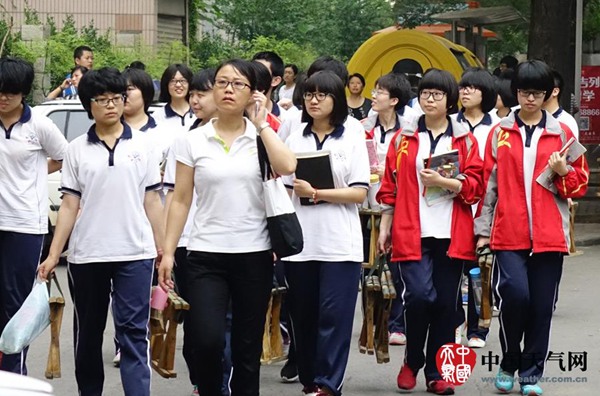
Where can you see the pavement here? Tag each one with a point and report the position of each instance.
(587, 234)
(575, 330)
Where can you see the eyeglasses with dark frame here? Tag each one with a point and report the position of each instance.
(182, 82)
(437, 95)
(115, 100)
(526, 93)
(468, 89)
(237, 84)
(321, 96)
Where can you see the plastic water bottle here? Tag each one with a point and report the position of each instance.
(475, 275)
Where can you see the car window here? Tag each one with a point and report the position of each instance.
(72, 123)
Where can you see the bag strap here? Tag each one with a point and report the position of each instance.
(266, 172)
(53, 278)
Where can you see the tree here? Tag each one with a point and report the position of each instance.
(552, 39)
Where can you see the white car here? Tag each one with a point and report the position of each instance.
(71, 118)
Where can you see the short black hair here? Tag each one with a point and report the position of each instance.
(357, 75)
(559, 83)
(505, 92)
(293, 67)
(510, 61)
(16, 76)
(142, 81)
(297, 97)
(168, 75)
(136, 65)
(407, 66)
(533, 74)
(78, 53)
(263, 77)
(244, 67)
(331, 64)
(100, 81)
(82, 69)
(398, 86)
(204, 80)
(328, 82)
(484, 81)
(444, 81)
(274, 60)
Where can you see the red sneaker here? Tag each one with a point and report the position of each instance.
(407, 378)
(310, 390)
(440, 387)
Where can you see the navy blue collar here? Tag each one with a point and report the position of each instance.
(92, 136)
(556, 114)
(25, 117)
(486, 120)
(337, 132)
(276, 111)
(400, 111)
(196, 124)
(149, 125)
(383, 133)
(520, 123)
(169, 112)
(423, 127)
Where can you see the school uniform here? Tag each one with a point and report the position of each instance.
(481, 132)
(111, 254)
(429, 242)
(168, 124)
(229, 256)
(529, 234)
(26, 146)
(564, 117)
(322, 279)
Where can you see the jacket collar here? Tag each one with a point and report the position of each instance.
(548, 123)
(458, 129)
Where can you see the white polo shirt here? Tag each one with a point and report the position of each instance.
(332, 232)
(562, 116)
(230, 215)
(168, 124)
(112, 224)
(436, 220)
(293, 123)
(169, 184)
(24, 151)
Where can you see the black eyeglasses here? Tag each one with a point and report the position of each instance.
(525, 93)
(115, 100)
(237, 85)
(321, 96)
(181, 82)
(437, 95)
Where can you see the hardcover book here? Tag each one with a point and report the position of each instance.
(315, 168)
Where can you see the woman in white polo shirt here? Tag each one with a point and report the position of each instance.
(323, 278)
(229, 247)
(113, 212)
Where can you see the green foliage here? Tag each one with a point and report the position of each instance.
(591, 20)
(31, 15)
(411, 13)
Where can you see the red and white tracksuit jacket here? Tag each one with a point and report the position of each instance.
(400, 193)
(502, 213)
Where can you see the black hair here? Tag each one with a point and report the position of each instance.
(359, 76)
(263, 77)
(78, 53)
(331, 64)
(100, 81)
(142, 81)
(16, 76)
(559, 83)
(505, 92)
(82, 69)
(293, 67)
(297, 97)
(244, 67)
(204, 80)
(533, 74)
(274, 60)
(328, 82)
(407, 66)
(444, 81)
(168, 75)
(398, 86)
(136, 65)
(484, 81)
(510, 61)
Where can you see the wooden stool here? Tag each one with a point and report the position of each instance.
(272, 340)
(572, 210)
(163, 330)
(57, 307)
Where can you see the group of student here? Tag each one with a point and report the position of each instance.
(203, 223)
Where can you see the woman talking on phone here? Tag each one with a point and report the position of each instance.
(76, 73)
(229, 247)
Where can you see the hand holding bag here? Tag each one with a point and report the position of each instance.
(282, 223)
(29, 322)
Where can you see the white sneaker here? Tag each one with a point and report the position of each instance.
(397, 339)
(117, 359)
(495, 311)
(475, 342)
(459, 332)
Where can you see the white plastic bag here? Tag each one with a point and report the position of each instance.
(29, 322)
